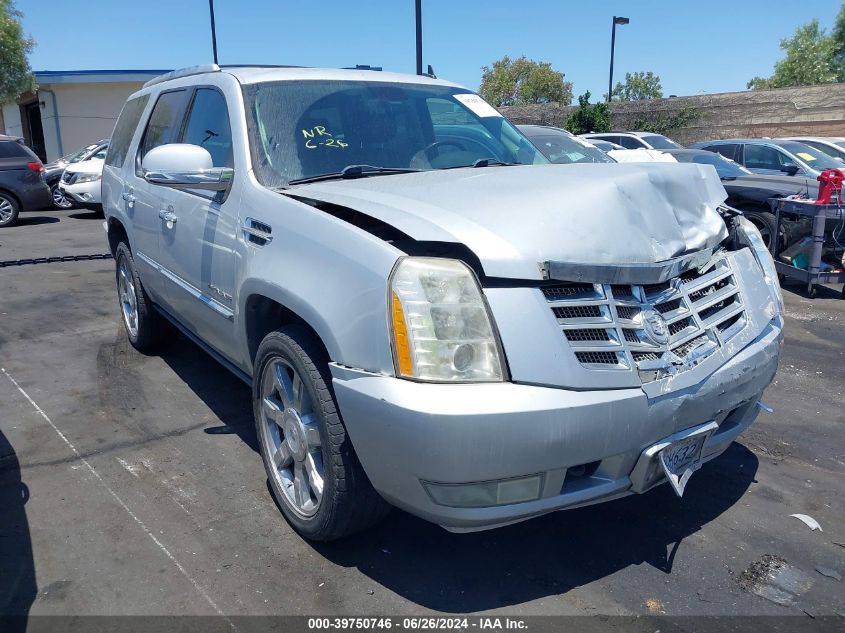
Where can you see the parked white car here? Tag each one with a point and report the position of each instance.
(641, 155)
(81, 182)
(831, 145)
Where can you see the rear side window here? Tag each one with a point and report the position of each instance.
(12, 149)
(127, 122)
(728, 150)
(629, 142)
(165, 121)
(208, 126)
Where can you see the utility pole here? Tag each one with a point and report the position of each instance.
(419, 37)
(616, 20)
(213, 29)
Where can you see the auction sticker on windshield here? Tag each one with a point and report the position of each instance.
(478, 105)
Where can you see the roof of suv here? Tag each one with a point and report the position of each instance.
(259, 74)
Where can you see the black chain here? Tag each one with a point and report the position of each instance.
(53, 260)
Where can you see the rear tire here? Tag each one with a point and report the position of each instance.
(142, 323)
(9, 209)
(314, 473)
(60, 200)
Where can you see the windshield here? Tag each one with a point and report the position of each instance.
(79, 154)
(725, 167)
(562, 149)
(660, 142)
(303, 129)
(811, 156)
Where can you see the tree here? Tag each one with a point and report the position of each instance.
(589, 118)
(523, 81)
(637, 87)
(15, 74)
(838, 36)
(810, 59)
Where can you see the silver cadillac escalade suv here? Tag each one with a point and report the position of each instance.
(429, 314)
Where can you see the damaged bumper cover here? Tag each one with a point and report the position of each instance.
(546, 448)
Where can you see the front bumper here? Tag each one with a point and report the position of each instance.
(86, 193)
(406, 433)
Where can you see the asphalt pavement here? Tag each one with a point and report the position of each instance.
(131, 484)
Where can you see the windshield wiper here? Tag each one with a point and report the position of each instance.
(486, 162)
(728, 178)
(354, 171)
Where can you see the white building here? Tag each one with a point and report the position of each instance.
(70, 108)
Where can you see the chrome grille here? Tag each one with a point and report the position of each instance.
(605, 323)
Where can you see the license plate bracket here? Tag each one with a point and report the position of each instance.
(681, 459)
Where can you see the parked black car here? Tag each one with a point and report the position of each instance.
(22, 184)
(53, 171)
(750, 192)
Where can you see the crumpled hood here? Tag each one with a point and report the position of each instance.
(516, 218)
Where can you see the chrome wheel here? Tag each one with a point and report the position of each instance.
(60, 200)
(291, 438)
(128, 297)
(7, 211)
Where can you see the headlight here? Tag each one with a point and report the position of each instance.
(441, 327)
(748, 235)
(86, 178)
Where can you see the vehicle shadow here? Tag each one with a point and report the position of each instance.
(229, 398)
(17, 568)
(35, 220)
(86, 215)
(550, 555)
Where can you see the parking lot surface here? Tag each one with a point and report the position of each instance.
(131, 484)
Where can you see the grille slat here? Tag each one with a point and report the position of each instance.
(697, 308)
(597, 358)
(578, 312)
(587, 334)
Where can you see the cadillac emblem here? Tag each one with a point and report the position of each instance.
(655, 327)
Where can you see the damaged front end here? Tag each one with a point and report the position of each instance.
(666, 318)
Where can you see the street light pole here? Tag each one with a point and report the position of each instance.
(419, 37)
(616, 20)
(213, 29)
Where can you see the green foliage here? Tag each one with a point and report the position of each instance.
(838, 36)
(664, 122)
(15, 73)
(523, 81)
(589, 118)
(638, 86)
(810, 59)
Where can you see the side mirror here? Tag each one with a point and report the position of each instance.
(185, 166)
(790, 169)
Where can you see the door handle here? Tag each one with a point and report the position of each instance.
(168, 216)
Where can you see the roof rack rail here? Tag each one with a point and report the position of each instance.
(183, 72)
(260, 66)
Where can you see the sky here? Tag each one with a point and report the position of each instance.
(695, 47)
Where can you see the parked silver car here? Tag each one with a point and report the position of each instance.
(773, 156)
(429, 313)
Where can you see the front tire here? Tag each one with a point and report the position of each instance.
(142, 324)
(312, 468)
(9, 210)
(766, 223)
